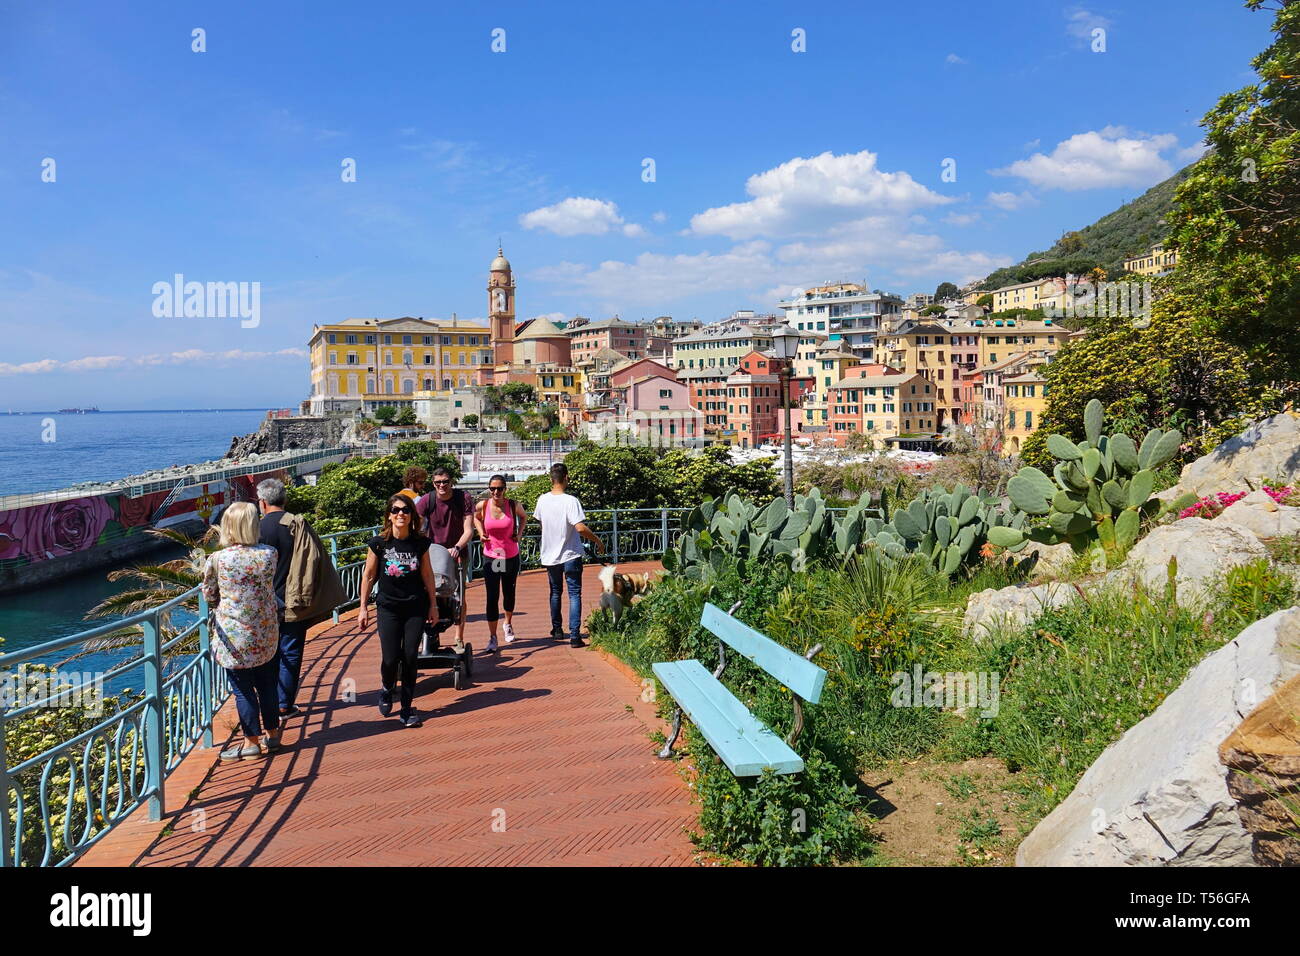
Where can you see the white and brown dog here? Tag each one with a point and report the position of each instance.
(621, 590)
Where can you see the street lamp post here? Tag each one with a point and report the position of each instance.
(785, 345)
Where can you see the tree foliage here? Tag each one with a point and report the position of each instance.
(1237, 219)
(946, 290)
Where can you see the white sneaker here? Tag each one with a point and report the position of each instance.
(492, 644)
(509, 633)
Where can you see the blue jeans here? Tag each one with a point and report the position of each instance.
(293, 635)
(255, 696)
(570, 572)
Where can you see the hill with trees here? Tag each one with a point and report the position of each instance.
(1130, 229)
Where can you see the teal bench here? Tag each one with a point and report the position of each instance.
(743, 742)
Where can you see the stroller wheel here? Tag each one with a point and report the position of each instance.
(459, 680)
(469, 662)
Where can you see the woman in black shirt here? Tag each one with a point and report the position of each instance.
(404, 603)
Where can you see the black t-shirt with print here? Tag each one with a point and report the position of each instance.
(401, 587)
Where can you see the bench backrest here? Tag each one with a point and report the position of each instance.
(802, 676)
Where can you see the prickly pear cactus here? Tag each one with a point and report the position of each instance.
(1099, 492)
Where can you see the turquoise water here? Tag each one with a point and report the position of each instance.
(104, 446)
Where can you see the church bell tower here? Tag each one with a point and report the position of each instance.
(501, 309)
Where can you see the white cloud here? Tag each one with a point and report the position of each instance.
(1080, 23)
(578, 216)
(953, 58)
(660, 216)
(961, 218)
(806, 195)
(1010, 201)
(93, 363)
(1033, 144)
(1097, 159)
(1191, 154)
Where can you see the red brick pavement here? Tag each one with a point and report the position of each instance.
(544, 760)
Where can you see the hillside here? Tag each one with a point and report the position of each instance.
(1131, 228)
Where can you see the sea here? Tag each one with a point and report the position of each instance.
(97, 446)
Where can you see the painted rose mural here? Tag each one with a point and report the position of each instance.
(49, 531)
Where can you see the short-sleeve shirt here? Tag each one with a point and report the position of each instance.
(444, 521)
(401, 586)
(238, 581)
(559, 515)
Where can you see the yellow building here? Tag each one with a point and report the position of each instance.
(999, 339)
(827, 367)
(559, 384)
(1025, 295)
(358, 364)
(720, 345)
(1025, 401)
(1156, 261)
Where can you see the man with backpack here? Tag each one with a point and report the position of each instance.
(307, 587)
(447, 516)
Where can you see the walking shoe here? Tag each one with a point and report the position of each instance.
(576, 642)
(412, 720)
(242, 752)
(492, 644)
(385, 702)
(557, 633)
(509, 633)
(271, 745)
(293, 711)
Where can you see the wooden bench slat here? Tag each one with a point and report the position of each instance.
(802, 676)
(745, 744)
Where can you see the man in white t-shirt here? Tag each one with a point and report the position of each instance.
(563, 529)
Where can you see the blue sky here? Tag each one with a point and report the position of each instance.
(773, 169)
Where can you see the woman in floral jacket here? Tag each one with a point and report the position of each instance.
(238, 581)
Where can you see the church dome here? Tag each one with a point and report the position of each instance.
(500, 263)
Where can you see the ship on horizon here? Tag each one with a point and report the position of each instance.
(78, 411)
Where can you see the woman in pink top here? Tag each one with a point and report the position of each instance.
(499, 522)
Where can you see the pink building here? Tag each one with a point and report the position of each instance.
(662, 409)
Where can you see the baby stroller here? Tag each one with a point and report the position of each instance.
(449, 600)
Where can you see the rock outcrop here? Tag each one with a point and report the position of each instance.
(1263, 761)
(1204, 550)
(996, 608)
(1159, 795)
(1262, 516)
(1268, 450)
(289, 434)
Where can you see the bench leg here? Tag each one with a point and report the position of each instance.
(667, 752)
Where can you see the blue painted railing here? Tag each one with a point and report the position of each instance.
(58, 803)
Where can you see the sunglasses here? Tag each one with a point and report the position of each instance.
(399, 511)
(443, 482)
(494, 489)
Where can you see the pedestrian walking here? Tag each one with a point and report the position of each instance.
(404, 603)
(500, 523)
(563, 528)
(448, 516)
(307, 586)
(239, 585)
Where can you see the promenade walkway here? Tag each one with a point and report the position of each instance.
(545, 759)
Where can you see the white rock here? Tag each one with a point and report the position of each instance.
(1011, 607)
(1267, 450)
(1053, 559)
(1204, 549)
(1158, 795)
(1260, 514)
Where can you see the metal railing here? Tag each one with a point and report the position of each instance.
(59, 802)
(56, 804)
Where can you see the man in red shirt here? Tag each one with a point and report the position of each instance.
(448, 519)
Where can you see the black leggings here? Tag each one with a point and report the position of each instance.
(399, 641)
(502, 581)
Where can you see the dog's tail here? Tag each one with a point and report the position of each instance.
(607, 577)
